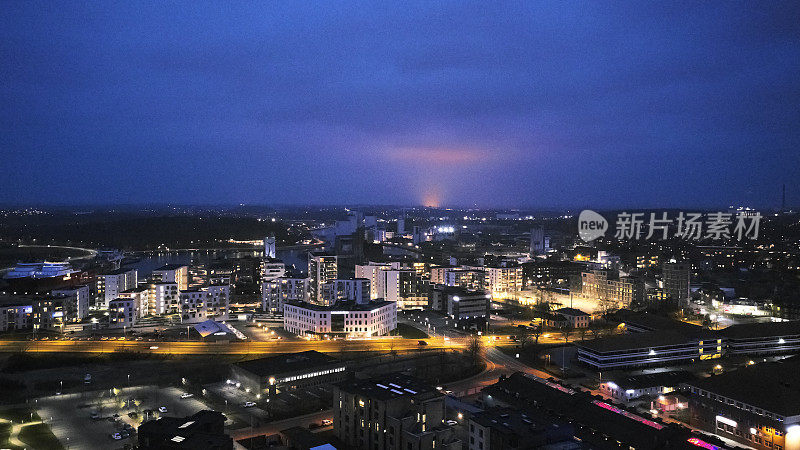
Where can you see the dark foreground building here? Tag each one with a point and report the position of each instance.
(203, 430)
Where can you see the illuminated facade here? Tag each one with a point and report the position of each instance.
(349, 319)
(504, 281)
(322, 269)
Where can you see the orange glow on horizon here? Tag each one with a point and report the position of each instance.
(436, 155)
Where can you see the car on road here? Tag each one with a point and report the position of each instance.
(187, 395)
(162, 409)
(153, 347)
(115, 436)
(249, 404)
(452, 422)
(327, 422)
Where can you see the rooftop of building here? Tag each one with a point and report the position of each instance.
(672, 378)
(654, 322)
(171, 267)
(522, 391)
(119, 271)
(343, 306)
(773, 387)
(290, 362)
(513, 421)
(136, 289)
(763, 329)
(571, 312)
(390, 386)
(634, 341)
(192, 432)
(15, 300)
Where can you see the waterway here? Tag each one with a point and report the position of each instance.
(147, 262)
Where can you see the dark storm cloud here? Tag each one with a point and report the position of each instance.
(527, 103)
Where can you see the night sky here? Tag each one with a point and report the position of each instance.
(530, 104)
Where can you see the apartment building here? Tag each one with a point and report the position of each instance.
(172, 273)
(109, 285)
(347, 319)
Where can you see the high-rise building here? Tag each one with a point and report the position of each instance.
(610, 291)
(272, 268)
(322, 268)
(275, 293)
(405, 287)
(676, 281)
(77, 306)
(537, 241)
(372, 273)
(504, 281)
(347, 290)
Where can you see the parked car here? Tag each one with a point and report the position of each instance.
(115, 436)
(95, 415)
(187, 395)
(249, 404)
(87, 378)
(327, 422)
(452, 422)
(162, 409)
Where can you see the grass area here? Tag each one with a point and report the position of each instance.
(39, 436)
(409, 332)
(36, 436)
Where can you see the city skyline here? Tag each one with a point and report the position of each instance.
(449, 104)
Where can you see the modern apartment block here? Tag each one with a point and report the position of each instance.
(275, 293)
(608, 290)
(504, 281)
(372, 272)
(121, 313)
(391, 412)
(271, 269)
(77, 307)
(346, 290)
(109, 285)
(404, 287)
(172, 273)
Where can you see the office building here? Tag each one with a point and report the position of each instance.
(202, 430)
(322, 268)
(109, 285)
(472, 279)
(377, 318)
(172, 273)
(460, 303)
(392, 412)
(287, 372)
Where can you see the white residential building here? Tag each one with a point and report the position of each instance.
(109, 285)
(121, 313)
(78, 305)
(504, 281)
(272, 269)
(163, 298)
(372, 272)
(322, 268)
(172, 273)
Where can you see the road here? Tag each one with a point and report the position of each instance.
(230, 348)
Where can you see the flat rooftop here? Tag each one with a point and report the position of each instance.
(759, 330)
(773, 387)
(634, 341)
(290, 362)
(343, 306)
(386, 387)
(673, 378)
(171, 267)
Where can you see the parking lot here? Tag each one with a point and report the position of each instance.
(69, 415)
(284, 404)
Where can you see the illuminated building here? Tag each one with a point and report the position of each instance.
(510, 428)
(16, 313)
(172, 273)
(758, 406)
(473, 279)
(269, 247)
(345, 319)
(162, 298)
(322, 268)
(109, 285)
(276, 292)
(344, 290)
(202, 430)
(286, 372)
(121, 313)
(391, 412)
(77, 305)
(272, 269)
(610, 292)
(504, 281)
(628, 387)
(372, 273)
(404, 287)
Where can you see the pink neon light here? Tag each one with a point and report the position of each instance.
(703, 444)
(612, 408)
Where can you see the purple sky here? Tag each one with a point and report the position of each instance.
(603, 104)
